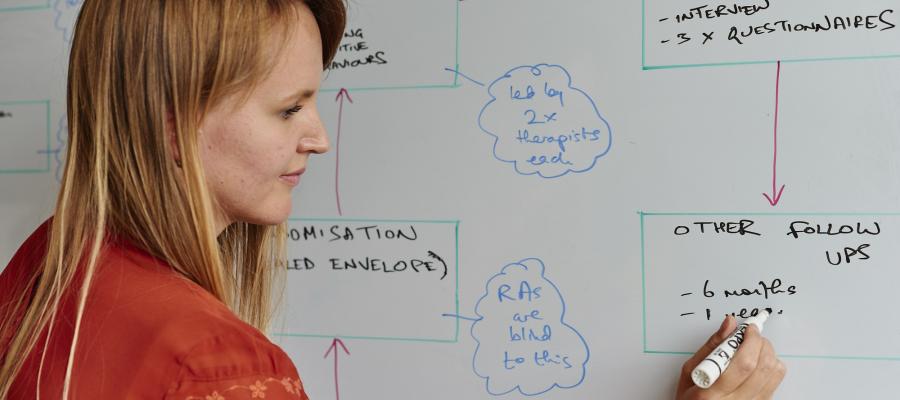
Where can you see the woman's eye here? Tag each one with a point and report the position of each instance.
(291, 111)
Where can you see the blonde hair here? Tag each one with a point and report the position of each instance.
(132, 64)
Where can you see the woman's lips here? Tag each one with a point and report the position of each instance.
(293, 178)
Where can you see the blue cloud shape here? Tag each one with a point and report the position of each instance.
(542, 124)
(66, 14)
(523, 340)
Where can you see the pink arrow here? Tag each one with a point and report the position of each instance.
(776, 193)
(334, 345)
(337, 163)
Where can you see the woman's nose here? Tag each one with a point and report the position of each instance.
(316, 139)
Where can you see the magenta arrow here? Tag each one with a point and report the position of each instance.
(334, 345)
(776, 193)
(337, 162)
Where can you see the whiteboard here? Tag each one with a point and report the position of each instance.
(561, 199)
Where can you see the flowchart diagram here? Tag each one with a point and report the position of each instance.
(542, 124)
(391, 277)
(777, 258)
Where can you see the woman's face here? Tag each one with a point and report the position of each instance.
(254, 153)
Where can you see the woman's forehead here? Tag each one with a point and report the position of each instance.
(298, 58)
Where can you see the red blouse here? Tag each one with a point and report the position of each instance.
(146, 333)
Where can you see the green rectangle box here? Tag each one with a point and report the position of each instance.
(750, 214)
(746, 62)
(47, 150)
(27, 6)
(454, 84)
(455, 338)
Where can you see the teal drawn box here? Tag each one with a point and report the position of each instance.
(745, 62)
(45, 106)
(452, 85)
(455, 333)
(24, 5)
(645, 215)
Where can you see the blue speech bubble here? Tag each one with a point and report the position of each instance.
(523, 340)
(542, 124)
(66, 14)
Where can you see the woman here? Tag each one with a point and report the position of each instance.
(190, 123)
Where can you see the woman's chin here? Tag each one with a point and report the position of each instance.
(271, 216)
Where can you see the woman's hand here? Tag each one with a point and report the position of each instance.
(754, 373)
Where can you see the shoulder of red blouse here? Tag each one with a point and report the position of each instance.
(149, 332)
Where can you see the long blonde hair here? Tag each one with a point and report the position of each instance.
(135, 66)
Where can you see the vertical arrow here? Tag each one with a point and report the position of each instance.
(334, 345)
(343, 93)
(776, 193)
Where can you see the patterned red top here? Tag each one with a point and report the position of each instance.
(146, 333)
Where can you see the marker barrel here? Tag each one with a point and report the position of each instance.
(713, 366)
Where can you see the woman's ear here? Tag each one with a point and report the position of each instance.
(171, 137)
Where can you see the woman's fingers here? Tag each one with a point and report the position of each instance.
(767, 366)
(755, 372)
(743, 365)
(725, 329)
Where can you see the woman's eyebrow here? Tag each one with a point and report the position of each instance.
(301, 94)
